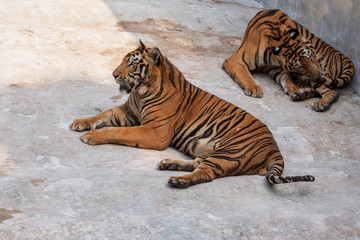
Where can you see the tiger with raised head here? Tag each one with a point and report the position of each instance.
(164, 110)
(304, 65)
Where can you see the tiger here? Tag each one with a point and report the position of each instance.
(301, 63)
(164, 109)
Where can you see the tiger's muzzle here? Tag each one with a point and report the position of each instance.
(124, 85)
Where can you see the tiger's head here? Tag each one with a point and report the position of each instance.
(300, 58)
(138, 70)
(290, 49)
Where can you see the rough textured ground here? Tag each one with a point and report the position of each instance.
(56, 62)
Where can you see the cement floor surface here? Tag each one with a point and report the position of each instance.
(56, 62)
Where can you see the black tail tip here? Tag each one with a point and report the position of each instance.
(309, 178)
(306, 178)
(278, 179)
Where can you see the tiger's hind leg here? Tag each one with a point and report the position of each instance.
(179, 165)
(208, 169)
(200, 175)
(284, 79)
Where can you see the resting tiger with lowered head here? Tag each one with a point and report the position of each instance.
(304, 65)
(164, 110)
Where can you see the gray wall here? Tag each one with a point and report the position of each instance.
(337, 22)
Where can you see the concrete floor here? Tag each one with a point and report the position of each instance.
(56, 62)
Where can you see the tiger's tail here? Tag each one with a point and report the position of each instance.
(273, 175)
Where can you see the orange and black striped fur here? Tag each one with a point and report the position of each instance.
(164, 110)
(304, 65)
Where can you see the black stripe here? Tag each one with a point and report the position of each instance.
(266, 14)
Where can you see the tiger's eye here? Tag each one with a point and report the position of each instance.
(293, 33)
(276, 50)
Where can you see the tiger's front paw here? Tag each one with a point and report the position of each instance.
(321, 106)
(178, 182)
(326, 101)
(254, 91)
(301, 94)
(93, 137)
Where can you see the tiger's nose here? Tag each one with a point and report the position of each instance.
(115, 76)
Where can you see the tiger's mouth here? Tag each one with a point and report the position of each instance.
(126, 87)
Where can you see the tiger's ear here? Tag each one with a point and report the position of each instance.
(155, 56)
(293, 33)
(141, 45)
